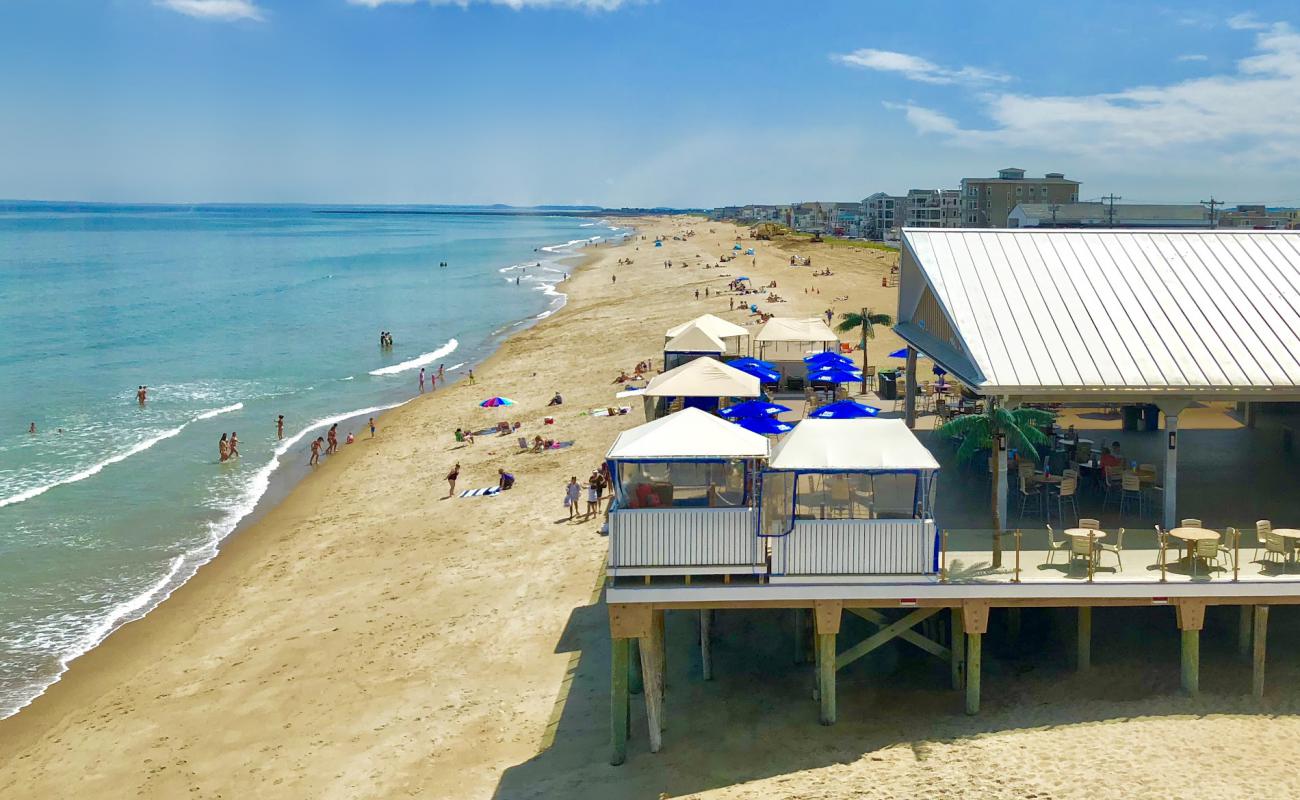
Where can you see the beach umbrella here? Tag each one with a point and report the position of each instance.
(835, 376)
(743, 278)
(764, 425)
(758, 362)
(496, 402)
(834, 359)
(938, 370)
(752, 408)
(759, 371)
(900, 353)
(737, 247)
(815, 369)
(845, 409)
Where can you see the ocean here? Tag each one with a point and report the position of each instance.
(231, 316)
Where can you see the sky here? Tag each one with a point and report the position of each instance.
(686, 103)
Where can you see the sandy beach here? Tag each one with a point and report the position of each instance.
(370, 638)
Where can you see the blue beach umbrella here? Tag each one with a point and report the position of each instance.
(938, 370)
(845, 409)
(835, 376)
(749, 367)
(752, 408)
(901, 353)
(743, 278)
(758, 362)
(828, 358)
(765, 425)
(832, 367)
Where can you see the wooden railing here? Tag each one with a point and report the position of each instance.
(856, 547)
(684, 537)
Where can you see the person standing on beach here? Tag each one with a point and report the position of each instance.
(315, 452)
(440, 373)
(333, 438)
(234, 444)
(142, 394)
(593, 495)
(471, 377)
(372, 427)
(223, 448)
(571, 493)
(451, 479)
(279, 427)
(421, 380)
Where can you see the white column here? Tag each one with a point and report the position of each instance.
(909, 399)
(1001, 463)
(1171, 408)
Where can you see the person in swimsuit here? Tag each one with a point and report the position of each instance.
(333, 438)
(451, 479)
(421, 380)
(372, 427)
(593, 494)
(571, 493)
(234, 444)
(31, 428)
(440, 373)
(315, 452)
(279, 427)
(223, 448)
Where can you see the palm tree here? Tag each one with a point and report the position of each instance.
(866, 320)
(1020, 426)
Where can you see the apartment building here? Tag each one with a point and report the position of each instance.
(988, 202)
(1101, 215)
(932, 208)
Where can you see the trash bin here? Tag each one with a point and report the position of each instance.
(887, 385)
(1132, 416)
(1151, 417)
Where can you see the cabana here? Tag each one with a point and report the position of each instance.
(682, 498)
(689, 345)
(700, 383)
(786, 341)
(850, 500)
(730, 333)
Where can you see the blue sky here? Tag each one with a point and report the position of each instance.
(617, 102)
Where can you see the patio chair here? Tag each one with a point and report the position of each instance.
(1162, 542)
(1116, 548)
(1067, 492)
(1112, 482)
(1190, 523)
(1275, 545)
(1206, 550)
(1054, 545)
(1228, 542)
(1082, 547)
(1030, 493)
(1130, 492)
(1263, 528)
(1086, 522)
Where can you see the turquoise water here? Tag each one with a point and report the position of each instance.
(231, 316)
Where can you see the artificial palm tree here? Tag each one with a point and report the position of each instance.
(1022, 429)
(866, 321)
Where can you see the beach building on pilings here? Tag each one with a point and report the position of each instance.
(828, 524)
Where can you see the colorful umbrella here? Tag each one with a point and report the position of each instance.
(752, 408)
(494, 402)
(765, 425)
(845, 409)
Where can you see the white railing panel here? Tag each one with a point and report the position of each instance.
(683, 537)
(855, 547)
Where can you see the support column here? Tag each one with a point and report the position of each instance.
(827, 615)
(634, 684)
(618, 699)
(1002, 465)
(800, 645)
(1259, 654)
(909, 399)
(1252, 411)
(1084, 640)
(706, 644)
(1191, 619)
(628, 622)
(957, 657)
(1171, 408)
(661, 634)
(1244, 622)
(654, 687)
(976, 621)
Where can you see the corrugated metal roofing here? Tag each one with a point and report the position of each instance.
(1136, 212)
(1037, 310)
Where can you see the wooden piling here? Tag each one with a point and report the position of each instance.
(651, 670)
(957, 658)
(1191, 662)
(800, 647)
(618, 700)
(1244, 622)
(826, 671)
(706, 644)
(634, 684)
(661, 632)
(973, 672)
(1258, 657)
(1083, 641)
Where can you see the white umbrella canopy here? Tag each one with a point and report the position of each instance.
(714, 326)
(703, 377)
(784, 329)
(688, 434)
(695, 339)
(859, 445)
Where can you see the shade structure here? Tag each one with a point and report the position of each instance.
(899, 353)
(695, 339)
(743, 278)
(688, 434)
(835, 376)
(703, 377)
(938, 370)
(768, 426)
(845, 409)
(495, 402)
(785, 329)
(714, 326)
(851, 445)
(827, 357)
(758, 369)
(752, 408)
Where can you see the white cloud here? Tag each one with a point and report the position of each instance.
(223, 10)
(1247, 114)
(586, 5)
(1246, 22)
(916, 68)
(1192, 57)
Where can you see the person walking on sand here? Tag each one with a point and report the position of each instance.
(421, 380)
(234, 444)
(315, 451)
(372, 427)
(471, 377)
(571, 493)
(279, 427)
(593, 496)
(333, 438)
(223, 448)
(451, 479)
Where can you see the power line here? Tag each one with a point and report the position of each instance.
(1214, 217)
(1110, 212)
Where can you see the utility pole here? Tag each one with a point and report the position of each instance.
(1214, 216)
(1110, 212)
(1054, 207)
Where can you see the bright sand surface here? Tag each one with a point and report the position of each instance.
(367, 638)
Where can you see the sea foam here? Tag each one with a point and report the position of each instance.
(419, 361)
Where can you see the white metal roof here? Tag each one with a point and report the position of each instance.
(851, 444)
(690, 433)
(784, 329)
(703, 377)
(695, 340)
(715, 326)
(1096, 311)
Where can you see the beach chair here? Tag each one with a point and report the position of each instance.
(1206, 550)
(1116, 548)
(1263, 528)
(1054, 545)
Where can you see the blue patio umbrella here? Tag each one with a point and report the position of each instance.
(752, 408)
(819, 359)
(820, 368)
(845, 409)
(764, 425)
(743, 278)
(756, 369)
(938, 370)
(900, 353)
(835, 376)
(751, 360)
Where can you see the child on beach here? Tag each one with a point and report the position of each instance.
(451, 479)
(571, 493)
(315, 451)
(372, 427)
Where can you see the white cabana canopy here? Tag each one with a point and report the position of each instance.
(703, 377)
(688, 434)
(694, 339)
(780, 329)
(714, 326)
(866, 445)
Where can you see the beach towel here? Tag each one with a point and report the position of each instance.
(487, 491)
(604, 412)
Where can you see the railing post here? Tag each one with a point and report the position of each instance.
(1016, 579)
(1164, 553)
(1236, 553)
(1092, 549)
(943, 556)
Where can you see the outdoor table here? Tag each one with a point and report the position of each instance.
(1096, 533)
(1292, 537)
(1190, 536)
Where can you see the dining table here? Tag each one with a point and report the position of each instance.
(1190, 536)
(1292, 538)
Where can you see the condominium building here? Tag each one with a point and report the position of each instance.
(988, 202)
(879, 218)
(932, 208)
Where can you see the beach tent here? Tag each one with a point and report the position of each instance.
(495, 402)
(730, 333)
(874, 445)
(735, 247)
(690, 434)
(689, 344)
(788, 331)
(703, 377)
(659, 244)
(749, 252)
